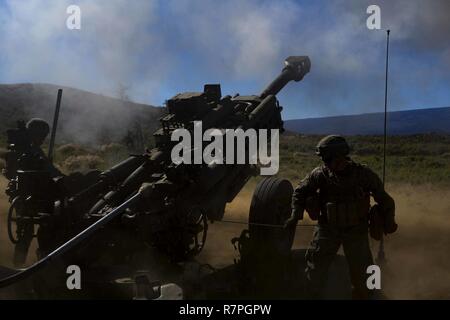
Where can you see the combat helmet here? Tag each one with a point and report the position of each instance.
(38, 127)
(332, 146)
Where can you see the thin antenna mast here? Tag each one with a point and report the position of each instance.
(381, 258)
(55, 125)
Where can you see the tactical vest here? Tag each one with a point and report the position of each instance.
(342, 198)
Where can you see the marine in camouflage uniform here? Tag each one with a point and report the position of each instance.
(33, 158)
(341, 189)
(42, 177)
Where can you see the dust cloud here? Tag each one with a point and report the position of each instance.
(418, 262)
(418, 255)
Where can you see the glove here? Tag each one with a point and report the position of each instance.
(290, 223)
(146, 189)
(313, 207)
(292, 220)
(390, 226)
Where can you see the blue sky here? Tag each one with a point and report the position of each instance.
(159, 48)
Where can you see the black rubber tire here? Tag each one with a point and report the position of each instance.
(10, 221)
(271, 204)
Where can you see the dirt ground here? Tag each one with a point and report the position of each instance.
(418, 260)
(418, 254)
(5, 245)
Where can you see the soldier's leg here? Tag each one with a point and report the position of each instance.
(21, 248)
(359, 257)
(319, 256)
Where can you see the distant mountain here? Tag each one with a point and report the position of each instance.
(436, 120)
(85, 117)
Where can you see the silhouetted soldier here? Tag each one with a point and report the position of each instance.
(30, 157)
(342, 189)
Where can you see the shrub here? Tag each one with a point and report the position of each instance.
(82, 163)
(112, 148)
(113, 153)
(71, 149)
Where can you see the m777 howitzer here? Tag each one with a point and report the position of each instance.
(165, 204)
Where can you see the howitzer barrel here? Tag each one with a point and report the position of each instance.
(296, 68)
(262, 108)
(120, 171)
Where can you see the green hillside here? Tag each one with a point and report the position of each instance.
(417, 159)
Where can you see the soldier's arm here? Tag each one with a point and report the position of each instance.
(384, 200)
(54, 172)
(48, 165)
(306, 187)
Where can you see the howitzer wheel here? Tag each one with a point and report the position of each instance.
(187, 237)
(12, 220)
(271, 206)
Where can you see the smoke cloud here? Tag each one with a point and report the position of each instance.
(115, 45)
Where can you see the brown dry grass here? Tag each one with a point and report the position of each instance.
(82, 163)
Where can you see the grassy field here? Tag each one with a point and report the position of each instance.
(417, 159)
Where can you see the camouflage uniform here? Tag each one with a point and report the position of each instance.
(32, 159)
(344, 202)
(37, 160)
